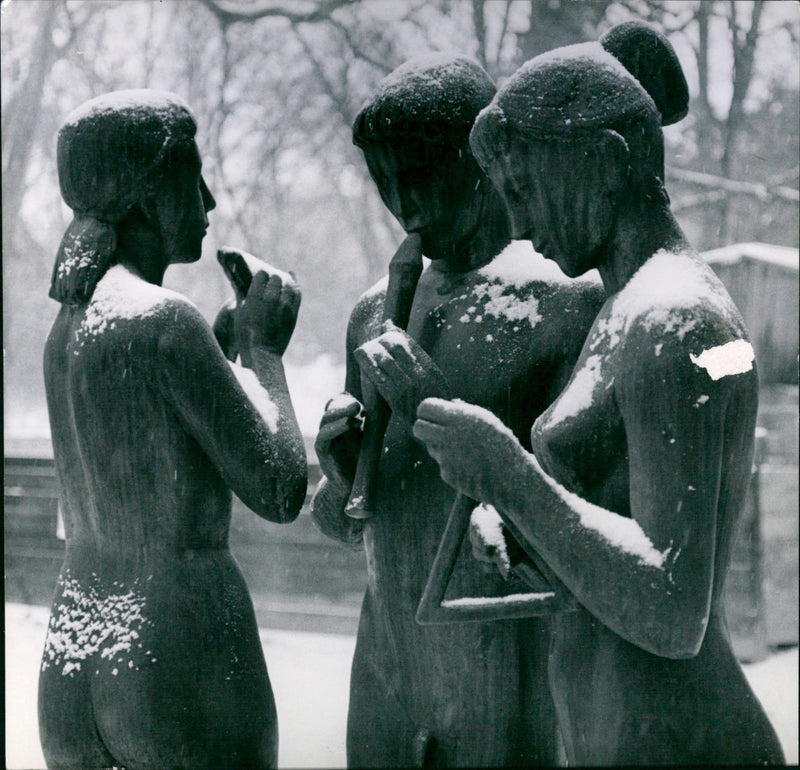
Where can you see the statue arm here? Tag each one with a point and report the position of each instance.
(649, 578)
(249, 431)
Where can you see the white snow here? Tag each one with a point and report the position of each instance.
(340, 401)
(87, 622)
(375, 350)
(735, 357)
(619, 531)
(379, 286)
(121, 294)
(486, 520)
(472, 410)
(511, 600)
(577, 396)
(589, 50)
(519, 263)
(258, 395)
(432, 67)
(256, 265)
(310, 677)
(509, 273)
(661, 289)
(131, 99)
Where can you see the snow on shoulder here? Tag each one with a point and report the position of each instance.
(123, 295)
(134, 100)
(379, 287)
(661, 292)
(510, 273)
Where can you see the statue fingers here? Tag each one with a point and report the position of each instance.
(436, 410)
(335, 428)
(290, 297)
(432, 435)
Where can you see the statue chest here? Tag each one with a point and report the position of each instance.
(580, 438)
(490, 342)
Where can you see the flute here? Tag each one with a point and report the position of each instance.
(404, 271)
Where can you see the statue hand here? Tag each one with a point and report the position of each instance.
(268, 314)
(225, 331)
(476, 453)
(402, 372)
(339, 439)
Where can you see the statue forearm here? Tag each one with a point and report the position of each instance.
(288, 449)
(608, 563)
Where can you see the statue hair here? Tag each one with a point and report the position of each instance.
(433, 99)
(113, 153)
(629, 82)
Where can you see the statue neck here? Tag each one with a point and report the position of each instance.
(139, 248)
(490, 235)
(641, 231)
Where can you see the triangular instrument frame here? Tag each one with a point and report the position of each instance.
(548, 596)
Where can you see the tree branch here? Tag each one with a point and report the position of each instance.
(296, 11)
(763, 192)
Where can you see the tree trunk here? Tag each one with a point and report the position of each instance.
(19, 133)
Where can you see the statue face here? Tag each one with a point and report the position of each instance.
(181, 206)
(430, 191)
(556, 197)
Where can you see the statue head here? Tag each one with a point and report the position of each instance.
(576, 130)
(414, 133)
(121, 156)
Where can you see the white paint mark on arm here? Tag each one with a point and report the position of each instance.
(734, 357)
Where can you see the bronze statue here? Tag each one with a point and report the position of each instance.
(490, 323)
(152, 656)
(638, 470)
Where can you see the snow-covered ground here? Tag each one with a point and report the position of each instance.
(310, 674)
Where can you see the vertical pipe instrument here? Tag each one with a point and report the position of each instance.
(404, 271)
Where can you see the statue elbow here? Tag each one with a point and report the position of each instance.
(680, 640)
(280, 499)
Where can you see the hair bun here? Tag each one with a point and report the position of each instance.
(650, 58)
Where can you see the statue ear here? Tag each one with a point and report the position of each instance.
(614, 161)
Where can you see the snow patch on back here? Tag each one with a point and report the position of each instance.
(86, 621)
(122, 295)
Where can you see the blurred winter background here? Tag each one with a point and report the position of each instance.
(275, 86)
